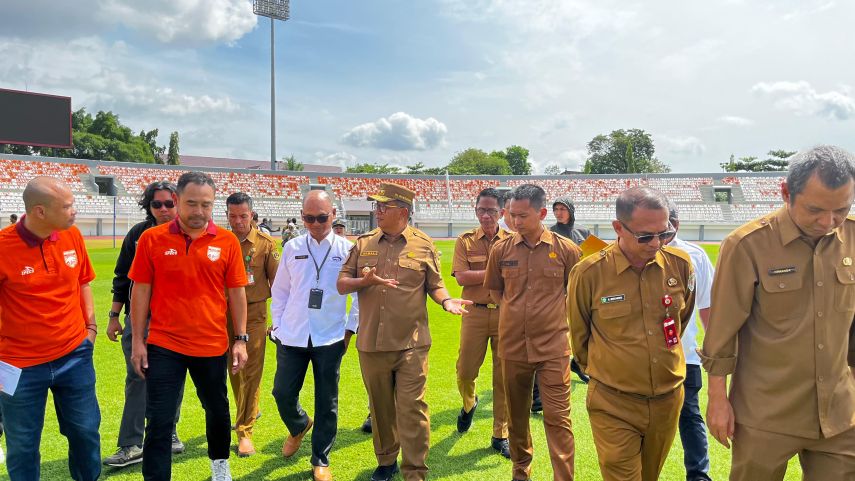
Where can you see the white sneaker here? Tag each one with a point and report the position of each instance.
(220, 470)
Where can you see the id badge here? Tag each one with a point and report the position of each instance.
(670, 329)
(316, 297)
(250, 277)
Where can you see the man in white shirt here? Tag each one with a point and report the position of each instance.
(310, 324)
(693, 432)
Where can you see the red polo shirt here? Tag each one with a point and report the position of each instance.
(188, 280)
(41, 314)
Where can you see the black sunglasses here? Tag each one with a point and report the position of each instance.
(663, 236)
(157, 204)
(321, 219)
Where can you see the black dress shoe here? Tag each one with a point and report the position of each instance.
(574, 366)
(464, 419)
(366, 426)
(384, 473)
(501, 445)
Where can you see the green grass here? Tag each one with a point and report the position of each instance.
(452, 456)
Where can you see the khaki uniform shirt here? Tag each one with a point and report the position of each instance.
(394, 319)
(617, 314)
(261, 258)
(781, 324)
(533, 282)
(470, 254)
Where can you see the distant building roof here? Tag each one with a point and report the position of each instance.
(225, 162)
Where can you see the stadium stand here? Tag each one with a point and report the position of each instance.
(444, 205)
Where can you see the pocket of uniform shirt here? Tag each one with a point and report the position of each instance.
(615, 310)
(778, 300)
(554, 277)
(411, 264)
(845, 293)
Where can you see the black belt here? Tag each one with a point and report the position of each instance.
(487, 306)
(642, 397)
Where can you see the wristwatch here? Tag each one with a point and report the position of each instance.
(113, 314)
(242, 337)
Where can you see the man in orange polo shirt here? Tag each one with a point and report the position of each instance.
(182, 272)
(47, 329)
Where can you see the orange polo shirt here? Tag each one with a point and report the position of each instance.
(188, 280)
(41, 315)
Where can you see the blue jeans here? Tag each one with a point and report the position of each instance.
(71, 378)
(693, 432)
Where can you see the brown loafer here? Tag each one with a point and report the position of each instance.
(321, 473)
(245, 447)
(292, 443)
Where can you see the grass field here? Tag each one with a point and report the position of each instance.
(452, 456)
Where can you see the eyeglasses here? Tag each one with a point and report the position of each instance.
(320, 219)
(663, 236)
(382, 208)
(157, 204)
(491, 212)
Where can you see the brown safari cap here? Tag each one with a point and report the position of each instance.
(389, 191)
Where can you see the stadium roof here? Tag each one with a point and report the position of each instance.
(225, 162)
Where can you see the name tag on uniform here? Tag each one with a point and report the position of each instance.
(509, 263)
(782, 270)
(611, 299)
(304, 256)
(368, 253)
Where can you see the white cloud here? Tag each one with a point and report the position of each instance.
(341, 159)
(573, 159)
(399, 131)
(735, 120)
(802, 99)
(680, 145)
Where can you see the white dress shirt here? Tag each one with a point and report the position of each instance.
(293, 322)
(704, 272)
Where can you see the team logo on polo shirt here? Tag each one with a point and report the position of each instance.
(70, 258)
(213, 253)
(27, 270)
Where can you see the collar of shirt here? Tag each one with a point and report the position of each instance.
(28, 237)
(252, 236)
(545, 236)
(479, 233)
(622, 263)
(175, 227)
(407, 234)
(790, 231)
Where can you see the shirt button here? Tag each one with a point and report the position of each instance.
(819, 284)
(649, 332)
(819, 314)
(529, 287)
(383, 291)
(820, 378)
(382, 307)
(654, 360)
(782, 285)
(820, 347)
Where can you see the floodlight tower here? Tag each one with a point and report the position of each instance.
(274, 10)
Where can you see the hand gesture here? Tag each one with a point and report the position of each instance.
(370, 278)
(455, 306)
(720, 419)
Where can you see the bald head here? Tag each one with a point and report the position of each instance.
(317, 200)
(44, 191)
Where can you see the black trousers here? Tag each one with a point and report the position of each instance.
(164, 384)
(291, 366)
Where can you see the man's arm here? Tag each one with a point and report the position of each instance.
(237, 307)
(461, 269)
(579, 316)
(140, 307)
(452, 304)
(280, 291)
(271, 263)
(705, 317)
(88, 304)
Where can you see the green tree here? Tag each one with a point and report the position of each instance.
(292, 164)
(778, 161)
(366, 168)
(517, 158)
(552, 169)
(416, 168)
(474, 161)
(623, 152)
(172, 158)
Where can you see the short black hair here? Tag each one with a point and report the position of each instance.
(535, 195)
(148, 195)
(194, 177)
(239, 198)
(834, 166)
(13, 217)
(645, 197)
(490, 192)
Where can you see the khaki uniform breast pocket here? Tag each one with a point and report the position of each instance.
(553, 278)
(411, 271)
(778, 300)
(844, 292)
(614, 321)
(511, 277)
(477, 262)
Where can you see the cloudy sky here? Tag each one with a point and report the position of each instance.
(405, 81)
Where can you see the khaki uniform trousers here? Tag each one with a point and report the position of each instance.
(553, 376)
(632, 435)
(246, 383)
(478, 327)
(763, 456)
(395, 381)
